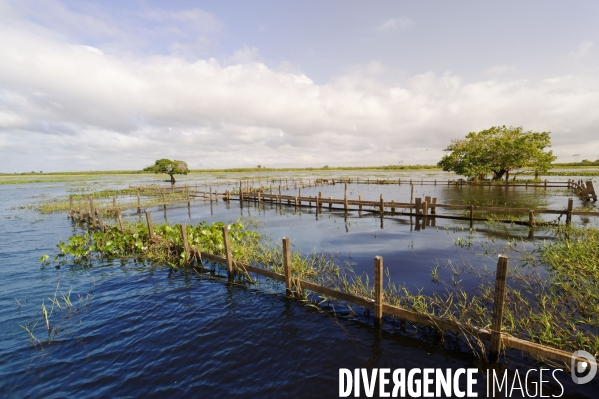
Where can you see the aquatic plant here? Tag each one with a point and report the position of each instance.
(560, 309)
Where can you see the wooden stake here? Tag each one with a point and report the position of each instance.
(228, 255)
(360, 201)
(150, 226)
(378, 289)
(417, 205)
(500, 284)
(433, 207)
(569, 215)
(287, 264)
(184, 237)
(138, 203)
(382, 206)
(120, 219)
(100, 222)
(411, 192)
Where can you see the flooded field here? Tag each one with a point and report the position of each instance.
(138, 330)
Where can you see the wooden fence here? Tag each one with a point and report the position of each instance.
(494, 335)
(426, 208)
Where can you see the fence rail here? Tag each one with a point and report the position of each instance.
(494, 335)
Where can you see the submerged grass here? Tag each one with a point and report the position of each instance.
(127, 197)
(552, 295)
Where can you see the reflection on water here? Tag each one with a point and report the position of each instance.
(154, 332)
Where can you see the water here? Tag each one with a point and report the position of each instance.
(146, 331)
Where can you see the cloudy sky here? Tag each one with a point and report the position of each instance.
(89, 85)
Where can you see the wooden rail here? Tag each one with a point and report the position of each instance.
(495, 336)
(498, 340)
(425, 207)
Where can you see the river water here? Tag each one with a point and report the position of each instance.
(146, 331)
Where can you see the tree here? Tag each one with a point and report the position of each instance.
(169, 167)
(498, 150)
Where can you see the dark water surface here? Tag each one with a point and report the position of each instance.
(141, 331)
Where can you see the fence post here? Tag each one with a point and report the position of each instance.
(163, 197)
(184, 237)
(500, 283)
(100, 222)
(471, 214)
(378, 289)
(92, 209)
(531, 218)
(229, 256)
(71, 204)
(433, 207)
(360, 201)
(382, 206)
(150, 227)
(569, 215)
(138, 203)
(287, 264)
(411, 192)
(417, 205)
(80, 212)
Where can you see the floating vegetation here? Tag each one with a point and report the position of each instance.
(551, 297)
(165, 246)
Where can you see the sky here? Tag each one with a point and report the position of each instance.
(115, 85)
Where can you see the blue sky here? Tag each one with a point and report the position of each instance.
(118, 84)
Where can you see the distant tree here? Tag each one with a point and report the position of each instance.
(259, 166)
(325, 167)
(169, 167)
(498, 150)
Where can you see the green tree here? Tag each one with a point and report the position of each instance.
(498, 150)
(169, 167)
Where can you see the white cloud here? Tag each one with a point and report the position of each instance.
(582, 50)
(244, 55)
(396, 24)
(64, 105)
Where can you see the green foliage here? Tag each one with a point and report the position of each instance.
(169, 167)
(498, 150)
(165, 247)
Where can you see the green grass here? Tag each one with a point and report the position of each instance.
(561, 310)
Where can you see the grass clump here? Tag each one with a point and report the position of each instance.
(164, 247)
